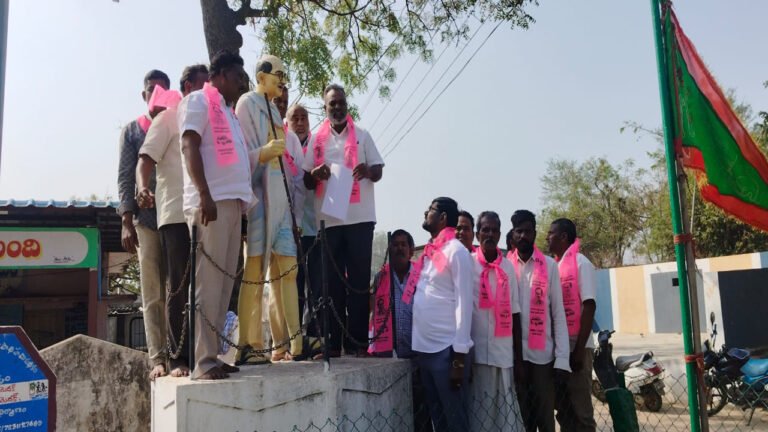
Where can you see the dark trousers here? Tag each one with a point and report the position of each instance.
(537, 397)
(447, 406)
(350, 247)
(174, 245)
(309, 283)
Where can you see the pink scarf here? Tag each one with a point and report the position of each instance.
(502, 305)
(569, 280)
(537, 317)
(350, 154)
(380, 309)
(164, 98)
(224, 144)
(434, 251)
(144, 123)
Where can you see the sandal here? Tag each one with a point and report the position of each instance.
(248, 357)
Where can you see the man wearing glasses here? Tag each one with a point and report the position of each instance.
(271, 240)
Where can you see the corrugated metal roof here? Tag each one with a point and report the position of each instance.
(58, 204)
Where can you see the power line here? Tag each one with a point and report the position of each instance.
(424, 98)
(423, 78)
(443, 90)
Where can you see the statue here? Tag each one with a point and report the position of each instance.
(271, 242)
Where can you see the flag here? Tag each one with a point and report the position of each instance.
(709, 138)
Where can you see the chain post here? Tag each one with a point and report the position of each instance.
(388, 258)
(191, 300)
(324, 276)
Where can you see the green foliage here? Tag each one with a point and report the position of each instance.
(127, 281)
(604, 200)
(325, 40)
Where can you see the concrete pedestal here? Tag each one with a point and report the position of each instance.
(355, 394)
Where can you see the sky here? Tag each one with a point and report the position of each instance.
(561, 89)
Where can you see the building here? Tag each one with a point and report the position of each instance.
(55, 261)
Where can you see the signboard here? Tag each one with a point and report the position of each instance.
(43, 248)
(27, 385)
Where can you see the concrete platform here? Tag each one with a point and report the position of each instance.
(354, 394)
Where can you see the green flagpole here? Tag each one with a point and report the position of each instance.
(677, 225)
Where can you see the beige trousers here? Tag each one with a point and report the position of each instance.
(152, 293)
(221, 240)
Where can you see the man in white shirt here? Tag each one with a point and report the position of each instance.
(543, 331)
(339, 141)
(496, 311)
(297, 119)
(574, 401)
(442, 318)
(161, 152)
(217, 189)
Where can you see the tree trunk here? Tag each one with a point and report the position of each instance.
(220, 26)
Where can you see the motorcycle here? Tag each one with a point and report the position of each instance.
(610, 386)
(731, 375)
(643, 374)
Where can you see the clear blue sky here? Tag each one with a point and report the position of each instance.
(561, 89)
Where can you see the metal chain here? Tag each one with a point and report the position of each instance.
(227, 340)
(235, 277)
(341, 276)
(169, 295)
(185, 324)
(376, 335)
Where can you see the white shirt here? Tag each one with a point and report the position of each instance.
(587, 290)
(555, 348)
(224, 182)
(442, 305)
(162, 145)
(489, 349)
(367, 153)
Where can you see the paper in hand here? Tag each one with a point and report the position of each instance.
(337, 192)
(164, 98)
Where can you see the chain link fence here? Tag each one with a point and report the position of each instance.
(483, 414)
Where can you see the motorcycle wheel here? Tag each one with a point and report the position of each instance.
(597, 391)
(716, 399)
(652, 401)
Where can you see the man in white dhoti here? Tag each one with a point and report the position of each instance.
(493, 403)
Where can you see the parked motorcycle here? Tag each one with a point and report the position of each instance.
(731, 375)
(642, 373)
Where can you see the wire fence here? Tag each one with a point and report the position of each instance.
(483, 414)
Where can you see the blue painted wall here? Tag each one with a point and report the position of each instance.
(604, 312)
(764, 259)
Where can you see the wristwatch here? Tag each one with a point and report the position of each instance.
(457, 365)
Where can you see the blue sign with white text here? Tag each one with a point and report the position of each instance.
(27, 385)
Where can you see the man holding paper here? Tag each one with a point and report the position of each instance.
(161, 151)
(346, 202)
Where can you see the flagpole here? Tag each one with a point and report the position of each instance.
(677, 225)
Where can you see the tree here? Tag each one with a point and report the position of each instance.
(604, 201)
(322, 39)
(127, 280)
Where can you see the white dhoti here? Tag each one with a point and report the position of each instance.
(492, 400)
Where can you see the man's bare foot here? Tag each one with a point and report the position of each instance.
(229, 368)
(278, 356)
(214, 373)
(180, 371)
(157, 372)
